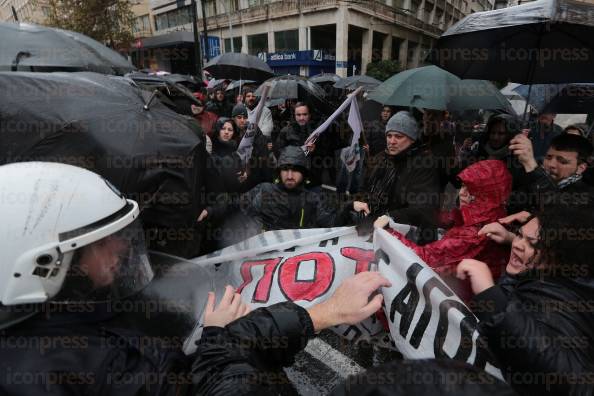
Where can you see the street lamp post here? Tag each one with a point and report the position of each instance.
(197, 54)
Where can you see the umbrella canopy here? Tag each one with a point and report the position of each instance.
(294, 87)
(559, 98)
(516, 100)
(545, 41)
(190, 82)
(430, 87)
(325, 78)
(240, 83)
(215, 83)
(237, 66)
(27, 47)
(175, 96)
(100, 123)
(354, 82)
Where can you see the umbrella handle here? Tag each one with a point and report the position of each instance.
(153, 96)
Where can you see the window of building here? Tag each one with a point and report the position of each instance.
(236, 44)
(232, 5)
(414, 6)
(396, 43)
(211, 8)
(257, 43)
(142, 24)
(173, 18)
(412, 50)
(255, 3)
(287, 40)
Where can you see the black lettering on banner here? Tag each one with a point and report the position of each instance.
(406, 310)
(381, 255)
(325, 242)
(419, 332)
(467, 328)
(355, 330)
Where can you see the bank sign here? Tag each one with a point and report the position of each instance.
(298, 58)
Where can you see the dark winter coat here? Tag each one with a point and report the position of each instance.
(322, 158)
(225, 165)
(247, 356)
(221, 109)
(275, 208)
(536, 191)
(490, 183)
(85, 353)
(540, 330)
(375, 136)
(405, 186)
(261, 164)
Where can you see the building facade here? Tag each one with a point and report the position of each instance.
(311, 36)
(33, 11)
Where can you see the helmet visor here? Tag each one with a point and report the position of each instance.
(111, 268)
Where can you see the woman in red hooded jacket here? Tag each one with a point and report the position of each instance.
(486, 186)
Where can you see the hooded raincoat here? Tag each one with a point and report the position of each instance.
(489, 182)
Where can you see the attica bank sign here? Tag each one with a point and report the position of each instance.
(298, 58)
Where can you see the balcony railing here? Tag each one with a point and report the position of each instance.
(290, 7)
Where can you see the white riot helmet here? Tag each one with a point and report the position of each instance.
(53, 215)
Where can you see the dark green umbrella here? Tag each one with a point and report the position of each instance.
(433, 88)
(356, 81)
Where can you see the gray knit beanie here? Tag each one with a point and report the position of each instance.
(403, 122)
(239, 109)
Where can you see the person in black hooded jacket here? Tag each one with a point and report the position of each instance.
(321, 153)
(287, 203)
(538, 320)
(494, 145)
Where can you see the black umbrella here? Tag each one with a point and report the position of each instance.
(545, 41)
(190, 82)
(559, 98)
(174, 95)
(104, 124)
(325, 78)
(295, 87)
(237, 66)
(239, 84)
(26, 47)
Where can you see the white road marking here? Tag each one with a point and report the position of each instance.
(337, 361)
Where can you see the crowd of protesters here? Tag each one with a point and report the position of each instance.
(515, 243)
(517, 237)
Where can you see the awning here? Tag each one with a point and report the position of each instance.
(166, 40)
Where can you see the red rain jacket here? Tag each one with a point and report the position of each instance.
(490, 183)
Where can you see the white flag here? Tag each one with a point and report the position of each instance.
(247, 141)
(350, 155)
(314, 135)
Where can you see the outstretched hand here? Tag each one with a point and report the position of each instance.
(520, 217)
(351, 302)
(230, 307)
(497, 233)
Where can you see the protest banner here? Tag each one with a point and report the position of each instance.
(425, 318)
